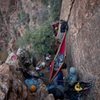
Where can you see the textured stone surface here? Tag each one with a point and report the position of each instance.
(37, 11)
(65, 10)
(83, 40)
(4, 81)
(16, 16)
(12, 86)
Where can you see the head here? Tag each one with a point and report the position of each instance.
(72, 70)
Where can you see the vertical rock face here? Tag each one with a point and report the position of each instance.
(83, 39)
(16, 16)
(4, 81)
(36, 10)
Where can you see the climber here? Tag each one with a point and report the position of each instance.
(63, 28)
(74, 89)
(72, 76)
(78, 90)
(57, 87)
(71, 79)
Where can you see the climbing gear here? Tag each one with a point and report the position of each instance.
(58, 61)
(33, 88)
(78, 87)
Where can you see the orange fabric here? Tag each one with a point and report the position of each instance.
(33, 88)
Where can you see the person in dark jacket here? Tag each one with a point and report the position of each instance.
(57, 87)
(72, 76)
(63, 28)
(74, 89)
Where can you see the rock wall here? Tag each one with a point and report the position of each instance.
(16, 16)
(83, 40)
(37, 12)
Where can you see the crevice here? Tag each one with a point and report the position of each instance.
(73, 1)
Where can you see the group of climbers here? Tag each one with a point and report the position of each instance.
(71, 87)
(59, 85)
